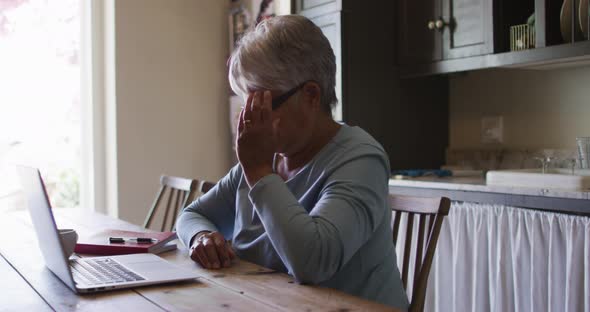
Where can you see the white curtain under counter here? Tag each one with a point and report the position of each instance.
(500, 258)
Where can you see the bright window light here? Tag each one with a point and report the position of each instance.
(40, 108)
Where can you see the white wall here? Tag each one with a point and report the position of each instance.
(171, 111)
(541, 109)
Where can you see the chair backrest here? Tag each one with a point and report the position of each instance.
(206, 186)
(179, 192)
(430, 213)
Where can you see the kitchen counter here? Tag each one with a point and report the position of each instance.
(479, 184)
(475, 189)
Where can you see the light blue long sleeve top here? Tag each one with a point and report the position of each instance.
(328, 225)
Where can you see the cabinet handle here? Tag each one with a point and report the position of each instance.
(431, 25)
(440, 24)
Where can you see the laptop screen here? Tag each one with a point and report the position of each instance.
(44, 224)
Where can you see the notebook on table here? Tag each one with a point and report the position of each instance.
(100, 244)
(88, 275)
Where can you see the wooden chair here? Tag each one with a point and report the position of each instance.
(430, 213)
(206, 186)
(179, 192)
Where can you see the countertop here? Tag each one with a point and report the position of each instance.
(478, 184)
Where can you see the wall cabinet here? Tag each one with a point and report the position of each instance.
(419, 43)
(391, 54)
(409, 117)
(467, 27)
(445, 36)
(434, 30)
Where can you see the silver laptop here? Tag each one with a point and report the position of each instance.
(88, 275)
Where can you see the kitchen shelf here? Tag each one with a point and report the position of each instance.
(556, 56)
(552, 50)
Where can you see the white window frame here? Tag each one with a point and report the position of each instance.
(98, 187)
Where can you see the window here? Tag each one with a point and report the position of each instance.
(40, 102)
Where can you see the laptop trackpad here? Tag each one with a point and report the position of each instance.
(153, 267)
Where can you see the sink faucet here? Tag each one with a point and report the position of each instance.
(572, 163)
(545, 161)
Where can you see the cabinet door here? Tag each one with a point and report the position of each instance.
(469, 28)
(331, 27)
(418, 43)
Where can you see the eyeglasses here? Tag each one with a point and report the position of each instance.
(279, 100)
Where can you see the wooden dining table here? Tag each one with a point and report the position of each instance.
(27, 285)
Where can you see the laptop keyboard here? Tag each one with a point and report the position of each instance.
(101, 271)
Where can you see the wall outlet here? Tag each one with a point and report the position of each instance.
(492, 129)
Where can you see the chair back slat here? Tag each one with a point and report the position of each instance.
(431, 224)
(185, 201)
(396, 221)
(151, 213)
(177, 207)
(430, 213)
(177, 191)
(168, 205)
(420, 292)
(407, 248)
(419, 245)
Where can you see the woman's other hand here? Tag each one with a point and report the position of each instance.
(255, 144)
(211, 251)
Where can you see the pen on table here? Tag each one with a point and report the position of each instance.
(139, 240)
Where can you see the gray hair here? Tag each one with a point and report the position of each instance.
(280, 53)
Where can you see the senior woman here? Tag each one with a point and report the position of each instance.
(309, 196)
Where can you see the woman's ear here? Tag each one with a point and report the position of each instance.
(312, 94)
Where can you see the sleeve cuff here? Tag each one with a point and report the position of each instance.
(186, 238)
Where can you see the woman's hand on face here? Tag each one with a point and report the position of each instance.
(254, 143)
(211, 251)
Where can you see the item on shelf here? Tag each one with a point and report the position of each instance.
(584, 151)
(584, 17)
(460, 171)
(531, 20)
(266, 10)
(568, 21)
(397, 174)
(239, 22)
(565, 21)
(522, 37)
